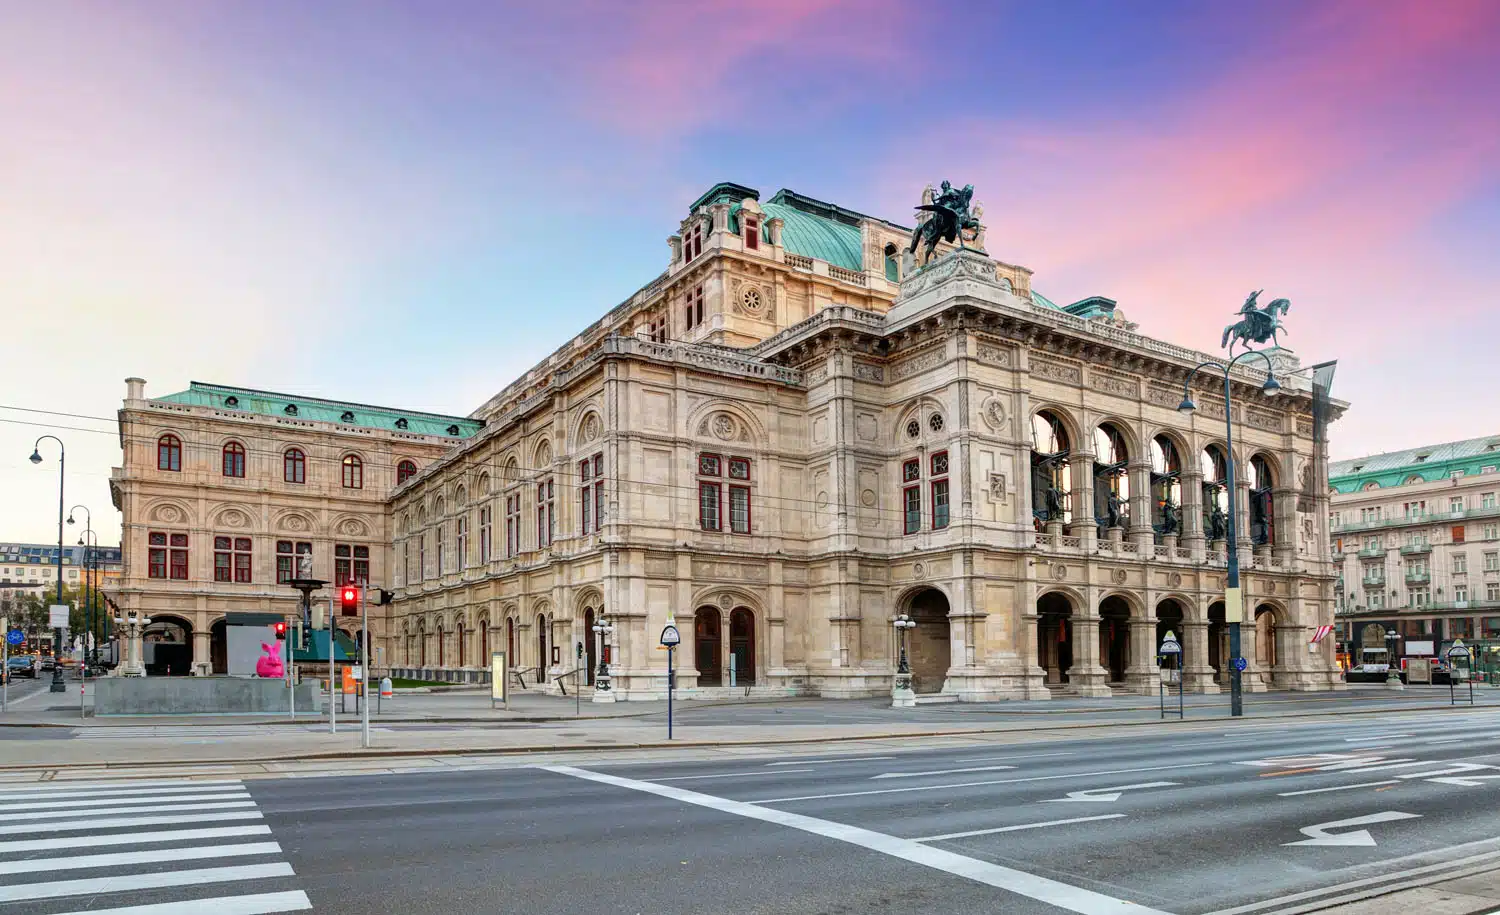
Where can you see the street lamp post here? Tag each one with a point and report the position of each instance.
(602, 629)
(902, 695)
(58, 686)
(305, 583)
(1393, 672)
(1233, 605)
(88, 610)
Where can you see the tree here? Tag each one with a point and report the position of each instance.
(34, 614)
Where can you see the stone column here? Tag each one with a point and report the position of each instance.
(1197, 674)
(203, 664)
(1082, 463)
(1141, 530)
(1242, 517)
(1086, 675)
(1192, 512)
(1250, 680)
(1140, 670)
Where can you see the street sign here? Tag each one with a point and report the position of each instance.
(357, 672)
(15, 637)
(670, 636)
(58, 616)
(1458, 650)
(1240, 663)
(499, 670)
(1170, 645)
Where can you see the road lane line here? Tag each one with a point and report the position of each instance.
(1042, 889)
(993, 781)
(941, 772)
(1391, 781)
(1374, 737)
(840, 759)
(984, 832)
(34, 815)
(124, 882)
(688, 778)
(972, 759)
(256, 904)
(192, 853)
(110, 823)
(133, 838)
(57, 803)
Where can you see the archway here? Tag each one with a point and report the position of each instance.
(422, 645)
(1166, 487)
(708, 643)
(1262, 513)
(1169, 618)
(510, 642)
(1114, 637)
(742, 644)
(591, 645)
(442, 647)
(1265, 637)
(541, 649)
(218, 647)
(1051, 470)
(1054, 644)
(484, 643)
(1111, 478)
(459, 635)
(1218, 642)
(168, 646)
(928, 646)
(1213, 462)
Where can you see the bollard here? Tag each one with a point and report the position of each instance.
(385, 693)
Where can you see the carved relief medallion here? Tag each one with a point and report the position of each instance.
(993, 412)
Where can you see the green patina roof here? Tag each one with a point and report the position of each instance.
(1043, 301)
(315, 409)
(1433, 462)
(1092, 307)
(818, 238)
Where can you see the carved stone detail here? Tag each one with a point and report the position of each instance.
(1263, 419)
(1175, 580)
(1057, 371)
(918, 570)
(866, 371)
(1118, 576)
(1059, 571)
(997, 487)
(919, 362)
(993, 355)
(993, 412)
(1114, 384)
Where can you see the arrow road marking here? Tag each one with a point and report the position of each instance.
(1107, 794)
(1360, 838)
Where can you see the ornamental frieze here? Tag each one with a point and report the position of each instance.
(1057, 371)
(866, 371)
(1263, 419)
(921, 362)
(1111, 383)
(993, 355)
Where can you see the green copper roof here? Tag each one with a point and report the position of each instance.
(1433, 462)
(1092, 307)
(316, 409)
(817, 238)
(1043, 301)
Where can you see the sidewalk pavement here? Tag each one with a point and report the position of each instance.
(1475, 894)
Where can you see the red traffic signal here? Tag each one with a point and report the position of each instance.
(349, 600)
(280, 628)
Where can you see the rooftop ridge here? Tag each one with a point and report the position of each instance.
(310, 399)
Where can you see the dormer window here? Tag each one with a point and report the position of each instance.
(401, 423)
(692, 312)
(347, 416)
(692, 241)
(453, 430)
(290, 410)
(231, 401)
(752, 233)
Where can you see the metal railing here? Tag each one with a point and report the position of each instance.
(1413, 549)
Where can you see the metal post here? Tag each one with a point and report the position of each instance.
(1232, 578)
(291, 680)
(364, 670)
(671, 679)
(333, 725)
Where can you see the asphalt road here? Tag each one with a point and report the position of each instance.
(1255, 817)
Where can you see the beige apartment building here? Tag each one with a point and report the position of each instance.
(787, 439)
(1416, 540)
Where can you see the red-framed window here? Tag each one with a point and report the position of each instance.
(693, 307)
(169, 453)
(286, 558)
(692, 245)
(1458, 533)
(545, 516)
(486, 516)
(232, 559)
(911, 496)
(234, 460)
(752, 233)
(351, 564)
(294, 466)
(157, 555)
(512, 524)
(720, 502)
(708, 506)
(591, 493)
(354, 472)
(739, 509)
(167, 555)
(405, 471)
(938, 483)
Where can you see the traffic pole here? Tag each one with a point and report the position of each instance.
(669, 692)
(363, 686)
(333, 724)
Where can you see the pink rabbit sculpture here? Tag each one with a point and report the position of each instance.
(269, 664)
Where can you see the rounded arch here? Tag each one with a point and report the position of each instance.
(1413, 480)
(1128, 440)
(921, 412)
(1134, 605)
(586, 426)
(405, 470)
(294, 521)
(172, 635)
(1064, 420)
(1179, 443)
(482, 488)
(1055, 608)
(1071, 596)
(1192, 609)
(929, 642)
(233, 516)
(1371, 485)
(726, 597)
(1275, 607)
(587, 598)
(460, 496)
(511, 475)
(1263, 470)
(749, 432)
(541, 455)
(905, 597)
(349, 525)
(439, 508)
(169, 511)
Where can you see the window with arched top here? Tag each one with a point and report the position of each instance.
(1213, 463)
(169, 453)
(234, 460)
(354, 472)
(892, 263)
(405, 471)
(1166, 486)
(1262, 507)
(294, 466)
(1111, 477)
(1051, 469)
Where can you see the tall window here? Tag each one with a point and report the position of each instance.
(286, 558)
(440, 543)
(232, 559)
(167, 555)
(512, 524)
(462, 542)
(486, 515)
(692, 309)
(294, 466)
(692, 241)
(1460, 563)
(422, 553)
(938, 464)
(739, 495)
(169, 453)
(710, 491)
(544, 514)
(591, 493)
(234, 460)
(406, 559)
(911, 496)
(752, 233)
(351, 564)
(354, 472)
(405, 471)
(1458, 533)
(717, 499)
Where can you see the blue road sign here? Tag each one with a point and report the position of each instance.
(1240, 663)
(15, 637)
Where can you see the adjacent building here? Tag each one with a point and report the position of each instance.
(788, 438)
(1416, 540)
(31, 568)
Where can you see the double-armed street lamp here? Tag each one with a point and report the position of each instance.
(89, 658)
(1233, 602)
(901, 691)
(602, 629)
(902, 624)
(58, 686)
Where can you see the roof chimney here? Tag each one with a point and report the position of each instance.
(135, 389)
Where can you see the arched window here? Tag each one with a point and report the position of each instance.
(405, 471)
(1214, 465)
(169, 453)
(354, 472)
(234, 460)
(294, 466)
(1166, 486)
(442, 648)
(892, 264)
(1111, 477)
(1051, 470)
(459, 636)
(1262, 510)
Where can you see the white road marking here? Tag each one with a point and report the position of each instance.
(84, 789)
(1052, 892)
(1446, 740)
(688, 778)
(133, 838)
(1389, 781)
(940, 772)
(149, 808)
(1319, 835)
(974, 759)
(56, 803)
(984, 832)
(258, 904)
(1394, 764)
(1374, 737)
(194, 853)
(110, 823)
(839, 759)
(123, 882)
(1106, 795)
(993, 781)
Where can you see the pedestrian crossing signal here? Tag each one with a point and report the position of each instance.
(349, 600)
(280, 627)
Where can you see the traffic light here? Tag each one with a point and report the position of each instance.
(349, 600)
(280, 628)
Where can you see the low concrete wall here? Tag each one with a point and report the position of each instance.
(196, 696)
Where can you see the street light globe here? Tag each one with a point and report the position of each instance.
(70, 517)
(1187, 406)
(1271, 387)
(36, 456)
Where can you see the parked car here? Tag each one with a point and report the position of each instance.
(21, 666)
(48, 663)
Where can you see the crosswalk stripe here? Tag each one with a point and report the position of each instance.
(193, 853)
(125, 808)
(110, 823)
(125, 882)
(257, 904)
(123, 785)
(56, 803)
(133, 838)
